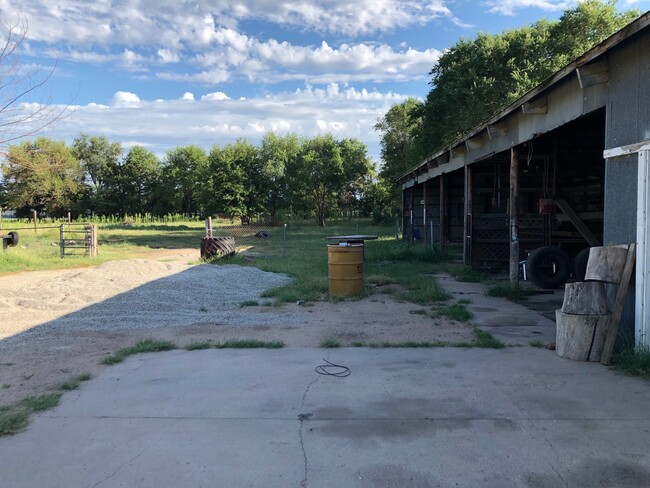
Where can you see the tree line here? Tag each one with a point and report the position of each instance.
(476, 78)
(318, 177)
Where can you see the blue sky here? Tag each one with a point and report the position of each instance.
(164, 73)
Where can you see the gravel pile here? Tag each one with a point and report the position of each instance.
(135, 294)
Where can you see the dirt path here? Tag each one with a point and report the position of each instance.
(57, 324)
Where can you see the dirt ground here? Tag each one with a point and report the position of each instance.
(29, 366)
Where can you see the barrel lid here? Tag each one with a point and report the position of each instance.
(352, 238)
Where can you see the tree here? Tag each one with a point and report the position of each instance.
(139, 175)
(398, 128)
(228, 179)
(358, 171)
(184, 174)
(42, 175)
(476, 78)
(322, 171)
(18, 120)
(275, 154)
(100, 160)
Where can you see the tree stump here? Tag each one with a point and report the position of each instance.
(217, 246)
(585, 298)
(581, 337)
(606, 264)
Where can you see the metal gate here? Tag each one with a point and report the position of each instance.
(78, 240)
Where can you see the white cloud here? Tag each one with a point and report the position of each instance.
(168, 56)
(215, 96)
(122, 99)
(161, 125)
(173, 23)
(509, 7)
(188, 96)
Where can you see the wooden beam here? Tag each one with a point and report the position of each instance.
(496, 130)
(617, 311)
(538, 106)
(425, 201)
(443, 209)
(514, 218)
(594, 73)
(589, 236)
(473, 144)
(467, 223)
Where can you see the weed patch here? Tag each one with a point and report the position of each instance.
(633, 362)
(13, 420)
(249, 344)
(40, 403)
(457, 311)
(536, 343)
(145, 345)
(195, 346)
(482, 339)
(508, 291)
(330, 343)
(73, 383)
(249, 303)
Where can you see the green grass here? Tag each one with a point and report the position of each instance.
(73, 383)
(195, 346)
(145, 345)
(13, 420)
(536, 343)
(249, 303)
(40, 403)
(249, 344)
(506, 290)
(330, 343)
(407, 344)
(466, 274)
(633, 362)
(482, 339)
(457, 311)
(358, 344)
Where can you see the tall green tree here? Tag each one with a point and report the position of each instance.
(476, 78)
(398, 128)
(275, 154)
(100, 159)
(139, 175)
(358, 172)
(42, 175)
(229, 179)
(184, 174)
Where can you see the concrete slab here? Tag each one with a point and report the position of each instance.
(442, 417)
(511, 323)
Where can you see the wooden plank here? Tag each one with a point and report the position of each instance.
(589, 236)
(514, 218)
(617, 310)
(443, 210)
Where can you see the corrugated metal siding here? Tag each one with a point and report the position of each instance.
(628, 122)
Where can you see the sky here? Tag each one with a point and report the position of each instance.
(168, 73)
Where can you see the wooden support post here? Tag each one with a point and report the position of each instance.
(467, 227)
(424, 211)
(443, 211)
(208, 227)
(514, 218)
(34, 216)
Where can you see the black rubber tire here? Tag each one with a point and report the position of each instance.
(580, 264)
(548, 267)
(14, 238)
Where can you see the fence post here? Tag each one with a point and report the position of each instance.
(431, 232)
(62, 240)
(284, 241)
(34, 216)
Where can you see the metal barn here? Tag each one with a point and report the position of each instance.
(565, 165)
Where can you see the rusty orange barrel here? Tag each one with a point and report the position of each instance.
(345, 269)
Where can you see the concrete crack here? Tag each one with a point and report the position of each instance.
(302, 417)
(120, 467)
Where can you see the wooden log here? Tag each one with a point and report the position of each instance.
(585, 298)
(617, 310)
(514, 218)
(580, 337)
(606, 264)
